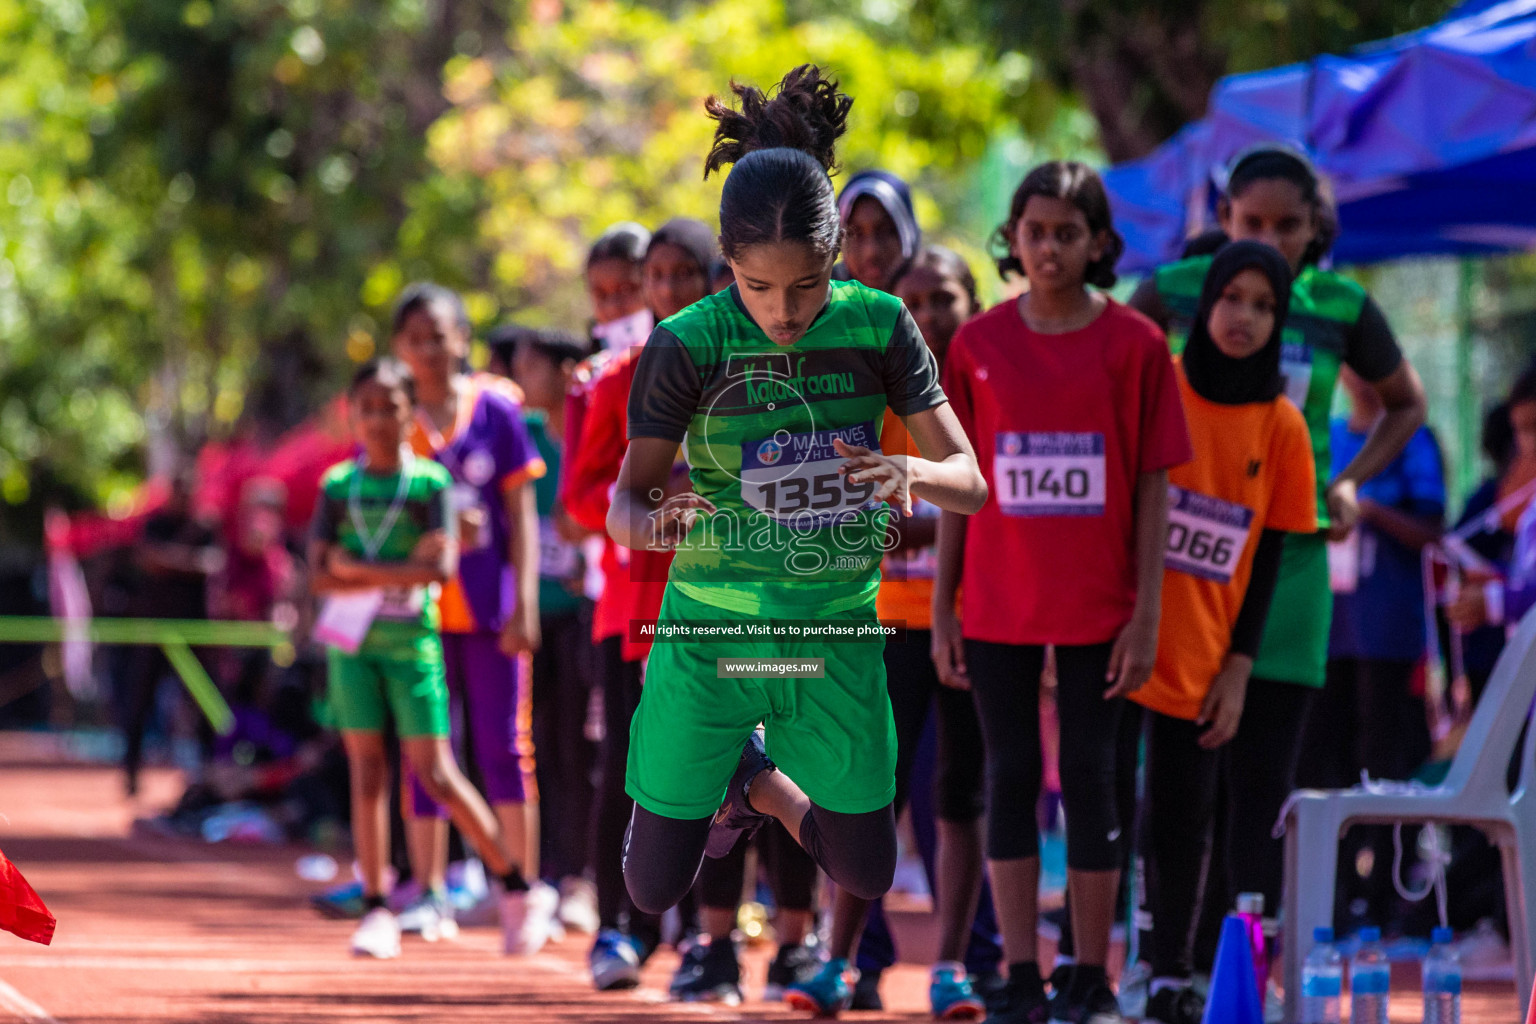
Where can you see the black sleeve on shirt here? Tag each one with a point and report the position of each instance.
(911, 372)
(1249, 628)
(1146, 299)
(326, 525)
(1370, 348)
(666, 389)
(436, 513)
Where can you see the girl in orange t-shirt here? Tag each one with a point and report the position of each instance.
(1250, 483)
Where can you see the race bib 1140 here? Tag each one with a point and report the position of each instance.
(794, 477)
(1206, 535)
(1049, 474)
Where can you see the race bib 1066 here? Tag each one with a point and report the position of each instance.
(1206, 535)
(794, 477)
(1049, 474)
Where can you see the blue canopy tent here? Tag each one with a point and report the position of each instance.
(1429, 140)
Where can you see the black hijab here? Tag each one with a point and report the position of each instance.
(1217, 377)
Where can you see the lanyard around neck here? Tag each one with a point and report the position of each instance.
(373, 540)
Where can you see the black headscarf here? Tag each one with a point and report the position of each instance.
(1217, 377)
(693, 237)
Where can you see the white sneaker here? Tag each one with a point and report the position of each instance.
(431, 917)
(377, 935)
(1135, 986)
(578, 905)
(526, 919)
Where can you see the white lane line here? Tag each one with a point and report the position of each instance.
(22, 1008)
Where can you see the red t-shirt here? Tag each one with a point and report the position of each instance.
(1063, 424)
(635, 579)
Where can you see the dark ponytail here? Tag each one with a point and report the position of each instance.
(1079, 185)
(783, 148)
(1276, 162)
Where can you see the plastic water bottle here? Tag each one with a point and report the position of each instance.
(1442, 980)
(1322, 980)
(1250, 907)
(1370, 980)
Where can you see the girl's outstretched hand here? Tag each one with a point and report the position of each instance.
(674, 518)
(888, 472)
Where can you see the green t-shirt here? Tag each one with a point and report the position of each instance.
(1332, 322)
(791, 538)
(559, 560)
(380, 518)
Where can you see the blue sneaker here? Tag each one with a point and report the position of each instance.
(736, 815)
(827, 993)
(951, 995)
(615, 961)
(344, 901)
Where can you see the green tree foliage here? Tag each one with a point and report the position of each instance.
(206, 206)
(596, 115)
(191, 195)
(1145, 67)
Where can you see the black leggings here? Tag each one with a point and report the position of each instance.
(1174, 835)
(662, 855)
(791, 873)
(610, 809)
(915, 690)
(566, 758)
(1005, 682)
(1256, 772)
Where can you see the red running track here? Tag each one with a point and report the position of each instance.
(177, 932)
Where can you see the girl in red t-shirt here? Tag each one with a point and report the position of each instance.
(1072, 403)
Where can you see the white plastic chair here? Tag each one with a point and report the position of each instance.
(1475, 792)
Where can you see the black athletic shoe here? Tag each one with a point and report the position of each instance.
(866, 992)
(1089, 1000)
(708, 973)
(989, 985)
(1175, 1006)
(789, 965)
(1060, 981)
(736, 816)
(1019, 1002)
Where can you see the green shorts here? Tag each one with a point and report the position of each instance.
(1295, 644)
(834, 737)
(398, 671)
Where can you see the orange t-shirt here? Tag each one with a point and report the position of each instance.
(1252, 471)
(906, 583)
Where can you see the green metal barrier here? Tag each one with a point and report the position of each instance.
(176, 637)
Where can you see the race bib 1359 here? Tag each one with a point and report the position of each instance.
(795, 478)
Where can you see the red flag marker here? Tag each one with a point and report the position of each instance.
(21, 909)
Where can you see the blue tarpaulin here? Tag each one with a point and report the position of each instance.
(1429, 140)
